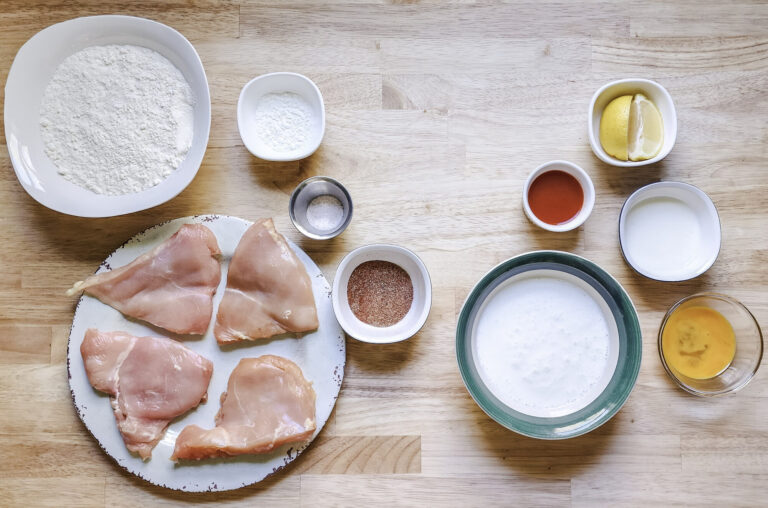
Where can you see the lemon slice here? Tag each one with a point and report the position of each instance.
(646, 130)
(614, 127)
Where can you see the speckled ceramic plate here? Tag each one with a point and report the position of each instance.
(625, 350)
(320, 354)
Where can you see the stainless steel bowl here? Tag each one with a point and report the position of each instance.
(307, 191)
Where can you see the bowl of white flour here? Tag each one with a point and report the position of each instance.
(106, 115)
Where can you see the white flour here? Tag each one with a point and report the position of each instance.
(117, 119)
(283, 121)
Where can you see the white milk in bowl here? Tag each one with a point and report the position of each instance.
(545, 343)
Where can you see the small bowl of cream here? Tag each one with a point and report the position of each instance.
(558, 196)
(669, 231)
(281, 116)
(320, 208)
(381, 293)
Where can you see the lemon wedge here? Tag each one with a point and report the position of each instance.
(614, 127)
(646, 130)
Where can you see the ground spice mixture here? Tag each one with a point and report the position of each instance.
(380, 293)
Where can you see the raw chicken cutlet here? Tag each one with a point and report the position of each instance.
(171, 286)
(151, 380)
(268, 403)
(268, 289)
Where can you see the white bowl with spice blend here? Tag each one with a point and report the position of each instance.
(381, 293)
(281, 116)
(320, 208)
(106, 115)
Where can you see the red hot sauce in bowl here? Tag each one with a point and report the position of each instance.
(555, 197)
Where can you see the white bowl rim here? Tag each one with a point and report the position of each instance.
(349, 328)
(134, 205)
(589, 195)
(282, 158)
(597, 147)
(703, 197)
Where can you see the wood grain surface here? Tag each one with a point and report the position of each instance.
(436, 113)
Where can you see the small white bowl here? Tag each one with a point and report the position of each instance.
(278, 82)
(669, 231)
(586, 185)
(30, 73)
(656, 93)
(422, 294)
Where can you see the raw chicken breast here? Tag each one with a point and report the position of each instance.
(171, 286)
(268, 289)
(268, 403)
(152, 380)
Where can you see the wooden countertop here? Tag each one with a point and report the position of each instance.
(436, 112)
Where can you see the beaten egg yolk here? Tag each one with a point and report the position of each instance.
(698, 342)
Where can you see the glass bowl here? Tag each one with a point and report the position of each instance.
(749, 346)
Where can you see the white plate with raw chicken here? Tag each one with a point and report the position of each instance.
(319, 354)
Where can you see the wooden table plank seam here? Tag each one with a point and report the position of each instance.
(436, 112)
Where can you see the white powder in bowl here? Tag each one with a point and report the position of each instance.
(325, 213)
(117, 119)
(283, 121)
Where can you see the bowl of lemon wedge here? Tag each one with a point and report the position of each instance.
(632, 122)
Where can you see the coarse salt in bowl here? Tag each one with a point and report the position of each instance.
(326, 221)
(281, 116)
(420, 306)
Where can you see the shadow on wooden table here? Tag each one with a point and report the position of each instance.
(568, 241)
(81, 238)
(624, 181)
(660, 296)
(559, 458)
(381, 358)
(326, 252)
(285, 176)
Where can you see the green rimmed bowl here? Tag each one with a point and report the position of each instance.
(624, 324)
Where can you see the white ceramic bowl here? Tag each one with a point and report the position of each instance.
(656, 93)
(422, 294)
(586, 185)
(30, 73)
(277, 82)
(669, 231)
